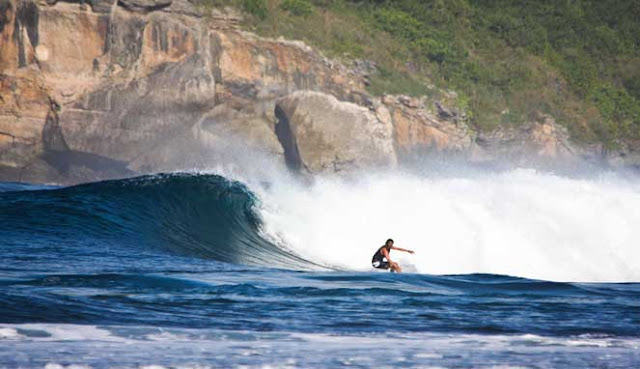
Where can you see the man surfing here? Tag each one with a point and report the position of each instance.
(381, 259)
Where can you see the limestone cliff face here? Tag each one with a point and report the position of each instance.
(540, 139)
(113, 88)
(423, 126)
(137, 86)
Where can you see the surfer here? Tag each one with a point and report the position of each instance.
(381, 259)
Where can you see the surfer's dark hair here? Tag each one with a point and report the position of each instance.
(389, 240)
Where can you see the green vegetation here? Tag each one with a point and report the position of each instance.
(257, 8)
(297, 7)
(578, 60)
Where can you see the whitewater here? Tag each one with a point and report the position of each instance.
(518, 222)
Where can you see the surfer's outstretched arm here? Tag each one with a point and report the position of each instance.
(401, 249)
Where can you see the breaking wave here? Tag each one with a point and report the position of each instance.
(520, 223)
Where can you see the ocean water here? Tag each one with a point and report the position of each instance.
(515, 269)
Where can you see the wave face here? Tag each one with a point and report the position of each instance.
(197, 215)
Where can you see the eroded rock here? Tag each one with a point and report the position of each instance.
(540, 140)
(321, 134)
(134, 81)
(419, 131)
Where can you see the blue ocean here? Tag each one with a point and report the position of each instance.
(513, 269)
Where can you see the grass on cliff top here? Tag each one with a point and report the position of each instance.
(577, 60)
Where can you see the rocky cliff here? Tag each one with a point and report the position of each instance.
(101, 89)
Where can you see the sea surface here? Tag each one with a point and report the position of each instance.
(200, 271)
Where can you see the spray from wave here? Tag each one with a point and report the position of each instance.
(520, 223)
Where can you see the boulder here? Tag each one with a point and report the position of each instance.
(321, 134)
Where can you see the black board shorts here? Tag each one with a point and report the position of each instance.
(380, 264)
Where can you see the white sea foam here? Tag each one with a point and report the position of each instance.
(60, 366)
(55, 332)
(520, 223)
(286, 349)
(136, 335)
(9, 334)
